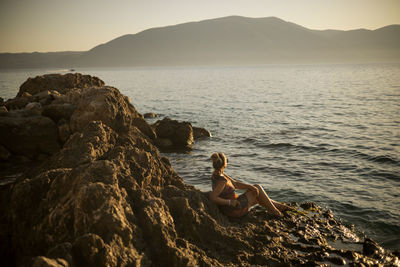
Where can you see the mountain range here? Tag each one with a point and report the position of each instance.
(227, 40)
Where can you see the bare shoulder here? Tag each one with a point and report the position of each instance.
(219, 177)
(228, 178)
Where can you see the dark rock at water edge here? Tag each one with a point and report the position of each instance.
(150, 115)
(180, 133)
(107, 197)
(200, 133)
(172, 133)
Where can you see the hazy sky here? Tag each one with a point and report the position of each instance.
(61, 25)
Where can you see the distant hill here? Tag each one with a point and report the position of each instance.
(39, 60)
(235, 40)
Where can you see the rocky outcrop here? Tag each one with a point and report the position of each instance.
(108, 198)
(150, 115)
(39, 124)
(175, 134)
(179, 133)
(200, 133)
(59, 83)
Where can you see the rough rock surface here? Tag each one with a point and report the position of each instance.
(48, 109)
(58, 82)
(29, 136)
(172, 133)
(200, 133)
(108, 198)
(180, 133)
(150, 115)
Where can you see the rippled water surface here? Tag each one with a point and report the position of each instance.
(323, 133)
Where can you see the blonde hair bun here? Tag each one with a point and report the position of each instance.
(218, 160)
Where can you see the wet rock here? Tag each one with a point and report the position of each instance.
(351, 255)
(200, 133)
(336, 260)
(370, 248)
(309, 206)
(150, 115)
(180, 133)
(58, 82)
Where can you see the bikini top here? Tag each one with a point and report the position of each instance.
(229, 189)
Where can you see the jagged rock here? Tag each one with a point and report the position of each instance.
(150, 115)
(180, 133)
(85, 147)
(200, 133)
(29, 136)
(58, 111)
(58, 82)
(90, 250)
(104, 104)
(144, 127)
(370, 247)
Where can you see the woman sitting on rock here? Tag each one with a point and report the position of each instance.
(223, 192)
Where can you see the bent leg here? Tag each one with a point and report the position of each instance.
(265, 201)
(280, 206)
(251, 198)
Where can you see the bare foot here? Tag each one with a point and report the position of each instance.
(286, 208)
(283, 207)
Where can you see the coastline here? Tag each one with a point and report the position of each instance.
(106, 196)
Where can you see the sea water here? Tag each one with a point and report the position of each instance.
(323, 133)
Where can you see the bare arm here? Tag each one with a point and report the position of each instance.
(240, 185)
(214, 195)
